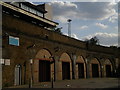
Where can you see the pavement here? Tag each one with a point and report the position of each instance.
(80, 83)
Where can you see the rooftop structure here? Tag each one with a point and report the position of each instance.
(30, 12)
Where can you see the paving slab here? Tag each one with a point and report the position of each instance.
(80, 83)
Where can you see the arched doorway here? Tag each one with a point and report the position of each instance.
(65, 67)
(17, 75)
(80, 68)
(107, 68)
(94, 68)
(43, 66)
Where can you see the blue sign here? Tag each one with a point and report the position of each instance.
(13, 40)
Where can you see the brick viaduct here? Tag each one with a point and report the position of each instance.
(54, 55)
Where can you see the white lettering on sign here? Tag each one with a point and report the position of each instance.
(7, 61)
(2, 61)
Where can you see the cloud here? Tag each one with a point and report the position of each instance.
(116, 27)
(103, 26)
(74, 36)
(113, 18)
(61, 19)
(84, 27)
(63, 10)
(107, 39)
(82, 10)
(71, 0)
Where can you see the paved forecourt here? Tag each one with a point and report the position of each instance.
(81, 83)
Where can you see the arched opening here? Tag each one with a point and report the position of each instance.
(107, 68)
(17, 79)
(94, 68)
(43, 66)
(80, 68)
(65, 67)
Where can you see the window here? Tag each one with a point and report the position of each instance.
(32, 11)
(13, 40)
(39, 14)
(24, 7)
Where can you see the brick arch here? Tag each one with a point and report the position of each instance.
(43, 68)
(80, 59)
(64, 67)
(107, 61)
(94, 62)
(43, 54)
(65, 57)
(80, 67)
(107, 68)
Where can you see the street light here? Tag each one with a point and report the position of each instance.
(31, 52)
(69, 27)
(31, 78)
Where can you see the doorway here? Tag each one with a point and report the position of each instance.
(44, 71)
(80, 70)
(95, 72)
(65, 70)
(108, 71)
(18, 75)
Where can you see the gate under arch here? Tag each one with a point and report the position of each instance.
(94, 68)
(65, 67)
(43, 66)
(80, 68)
(107, 68)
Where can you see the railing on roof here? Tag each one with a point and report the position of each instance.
(17, 9)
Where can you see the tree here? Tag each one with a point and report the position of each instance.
(58, 30)
(94, 41)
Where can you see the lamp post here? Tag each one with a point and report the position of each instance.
(31, 52)
(102, 70)
(31, 77)
(69, 27)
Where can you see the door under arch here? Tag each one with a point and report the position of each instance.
(44, 71)
(65, 70)
(81, 70)
(18, 75)
(108, 71)
(95, 72)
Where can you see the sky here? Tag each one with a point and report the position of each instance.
(89, 19)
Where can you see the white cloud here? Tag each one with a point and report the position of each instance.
(116, 27)
(71, 0)
(65, 34)
(82, 10)
(107, 39)
(103, 26)
(61, 19)
(74, 36)
(84, 27)
(62, 10)
(114, 18)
